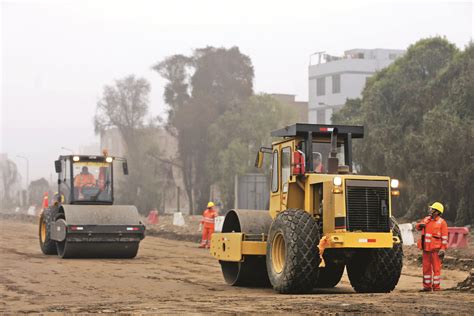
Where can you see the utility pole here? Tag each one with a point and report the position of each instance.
(177, 197)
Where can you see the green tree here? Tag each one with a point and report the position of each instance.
(125, 106)
(237, 135)
(418, 118)
(199, 89)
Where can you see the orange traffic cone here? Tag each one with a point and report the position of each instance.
(45, 200)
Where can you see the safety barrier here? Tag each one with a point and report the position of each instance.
(458, 237)
(178, 219)
(407, 234)
(218, 222)
(31, 211)
(152, 217)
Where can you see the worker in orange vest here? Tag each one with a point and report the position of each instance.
(84, 178)
(433, 242)
(207, 225)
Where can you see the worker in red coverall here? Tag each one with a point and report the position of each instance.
(433, 242)
(207, 225)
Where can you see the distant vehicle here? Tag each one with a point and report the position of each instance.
(317, 203)
(83, 222)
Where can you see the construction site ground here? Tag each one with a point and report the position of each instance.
(174, 276)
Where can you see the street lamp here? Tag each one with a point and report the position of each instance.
(27, 175)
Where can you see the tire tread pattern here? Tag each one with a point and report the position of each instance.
(301, 233)
(48, 247)
(377, 270)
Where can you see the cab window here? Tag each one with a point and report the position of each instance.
(92, 181)
(275, 172)
(285, 168)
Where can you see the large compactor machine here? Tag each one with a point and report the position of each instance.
(323, 217)
(83, 221)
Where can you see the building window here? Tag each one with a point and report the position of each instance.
(336, 84)
(321, 86)
(321, 116)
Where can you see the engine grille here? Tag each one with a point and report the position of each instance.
(367, 206)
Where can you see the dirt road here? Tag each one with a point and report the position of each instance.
(176, 277)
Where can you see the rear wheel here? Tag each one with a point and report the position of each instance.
(292, 253)
(330, 275)
(376, 270)
(47, 245)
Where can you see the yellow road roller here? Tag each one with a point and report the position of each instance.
(323, 218)
(83, 221)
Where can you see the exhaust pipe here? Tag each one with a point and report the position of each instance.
(333, 161)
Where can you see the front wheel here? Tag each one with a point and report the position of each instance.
(292, 254)
(377, 270)
(47, 245)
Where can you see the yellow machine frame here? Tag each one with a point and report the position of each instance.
(301, 193)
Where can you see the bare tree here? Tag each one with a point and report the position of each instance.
(124, 106)
(9, 176)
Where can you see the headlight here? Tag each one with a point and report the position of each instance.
(109, 159)
(75, 158)
(337, 181)
(394, 183)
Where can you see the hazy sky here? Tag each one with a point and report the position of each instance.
(56, 56)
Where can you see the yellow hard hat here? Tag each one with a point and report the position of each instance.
(210, 204)
(437, 206)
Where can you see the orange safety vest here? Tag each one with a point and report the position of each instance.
(84, 180)
(435, 234)
(208, 217)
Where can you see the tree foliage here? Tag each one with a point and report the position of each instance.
(125, 106)
(199, 89)
(237, 135)
(418, 115)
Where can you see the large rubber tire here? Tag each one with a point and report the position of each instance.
(47, 245)
(330, 275)
(292, 254)
(376, 270)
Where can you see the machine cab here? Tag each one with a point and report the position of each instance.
(86, 179)
(305, 150)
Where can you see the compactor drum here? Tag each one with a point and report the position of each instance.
(323, 218)
(83, 222)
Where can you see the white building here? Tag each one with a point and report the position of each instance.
(335, 79)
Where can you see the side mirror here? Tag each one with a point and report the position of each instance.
(259, 160)
(260, 153)
(57, 166)
(125, 168)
